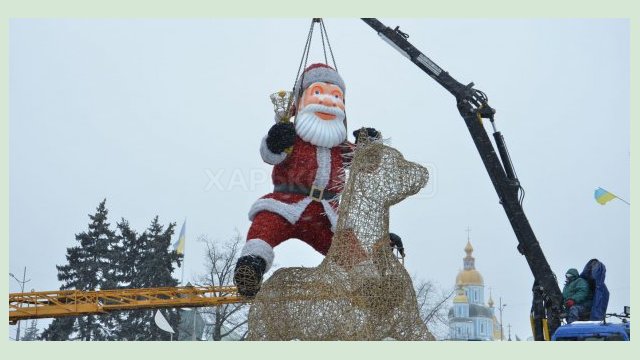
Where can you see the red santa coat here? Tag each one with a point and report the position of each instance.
(307, 166)
(279, 216)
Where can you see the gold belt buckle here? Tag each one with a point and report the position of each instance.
(312, 192)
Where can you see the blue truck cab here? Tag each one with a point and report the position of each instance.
(593, 331)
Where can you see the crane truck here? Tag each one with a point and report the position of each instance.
(473, 105)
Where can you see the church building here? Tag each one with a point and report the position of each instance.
(470, 318)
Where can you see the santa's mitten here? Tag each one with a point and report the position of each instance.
(248, 274)
(371, 133)
(281, 136)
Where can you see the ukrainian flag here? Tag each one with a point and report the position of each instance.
(178, 246)
(602, 196)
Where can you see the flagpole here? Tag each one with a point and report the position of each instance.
(623, 200)
(184, 252)
(179, 246)
(182, 276)
(619, 198)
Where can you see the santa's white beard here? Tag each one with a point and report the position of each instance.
(320, 132)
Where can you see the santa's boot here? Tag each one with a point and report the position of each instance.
(248, 274)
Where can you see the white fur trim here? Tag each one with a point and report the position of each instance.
(323, 157)
(259, 247)
(291, 212)
(331, 214)
(268, 156)
(320, 74)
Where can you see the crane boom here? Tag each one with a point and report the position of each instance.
(473, 106)
(51, 304)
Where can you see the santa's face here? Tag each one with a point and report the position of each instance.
(320, 119)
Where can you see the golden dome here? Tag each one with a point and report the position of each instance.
(468, 249)
(469, 277)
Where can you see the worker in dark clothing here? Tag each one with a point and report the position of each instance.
(396, 243)
(577, 296)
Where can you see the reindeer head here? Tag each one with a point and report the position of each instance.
(380, 173)
(379, 177)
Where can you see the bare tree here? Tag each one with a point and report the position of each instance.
(433, 305)
(229, 321)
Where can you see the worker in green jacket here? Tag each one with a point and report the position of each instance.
(577, 296)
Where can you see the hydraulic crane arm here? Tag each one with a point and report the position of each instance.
(473, 106)
(51, 304)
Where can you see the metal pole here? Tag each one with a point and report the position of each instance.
(184, 255)
(501, 307)
(195, 313)
(182, 276)
(24, 275)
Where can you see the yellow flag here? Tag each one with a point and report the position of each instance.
(178, 246)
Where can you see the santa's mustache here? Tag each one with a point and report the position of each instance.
(333, 110)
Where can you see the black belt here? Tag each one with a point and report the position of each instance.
(315, 193)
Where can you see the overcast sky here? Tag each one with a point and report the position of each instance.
(165, 117)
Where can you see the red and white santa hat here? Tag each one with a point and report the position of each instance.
(317, 73)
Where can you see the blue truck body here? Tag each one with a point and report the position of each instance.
(593, 331)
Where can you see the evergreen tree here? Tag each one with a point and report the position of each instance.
(106, 260)
(130, 251)
(151, 261)
(31, 334)
(60, 329)
(88, 268)
(123, 253)
(131, 323)
(157, 264)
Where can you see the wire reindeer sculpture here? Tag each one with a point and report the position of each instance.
(360, 291)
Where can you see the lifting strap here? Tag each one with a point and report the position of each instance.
(305, 53)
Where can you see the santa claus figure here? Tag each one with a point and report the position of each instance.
(308, 176)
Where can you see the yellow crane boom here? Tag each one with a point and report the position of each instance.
(52, 304)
